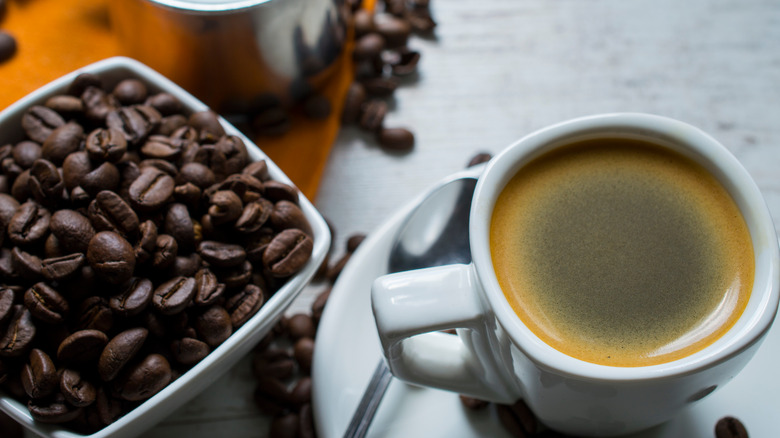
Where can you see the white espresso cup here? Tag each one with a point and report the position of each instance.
(496, 357)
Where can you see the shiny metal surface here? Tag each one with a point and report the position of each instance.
(434, 234)
(232, 53)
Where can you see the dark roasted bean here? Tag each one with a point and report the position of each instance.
(30, 224)
(303, 351)
(62, 141)
(254, 215)
(106, 145)
(189, 351)
(151, 190)
(244, 304)
(288, 252)
(111, 256)
(82, 347)
(174, 295)
(77, 391)
(396, 139)
(166, 103)
(300, 325)
(25, 153)
(95, 314)
(26, 265)
(136, 293)
(119, 351)
(45, 303)
(39, 122)
(286, 215)
(19, 332)
(208, 289)
(273, 363)
(730, 427)
(223, 255)
(208, 122)
(144, 379)
(62, 267)
(45, 182)
(53, 410)
(134, 122)
(72, 230)
(130, 91)
(214, 325)
(373, 115)
(225, 207)
(109, 212)
(179, 225)
(65, 105)
(166, 249)
(39, 376)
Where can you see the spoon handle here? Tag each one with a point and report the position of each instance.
(370, 402)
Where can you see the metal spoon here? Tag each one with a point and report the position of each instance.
(435, 233)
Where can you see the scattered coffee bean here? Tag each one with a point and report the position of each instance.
(7, 46)
(730, 427)
(396, 139)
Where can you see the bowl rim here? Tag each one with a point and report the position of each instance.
(222, 358)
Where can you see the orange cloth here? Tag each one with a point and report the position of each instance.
(55, 37)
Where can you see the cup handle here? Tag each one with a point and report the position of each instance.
(409, 307)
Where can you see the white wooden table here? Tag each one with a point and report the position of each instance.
(499, 69)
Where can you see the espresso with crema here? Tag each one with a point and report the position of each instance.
(621, 252)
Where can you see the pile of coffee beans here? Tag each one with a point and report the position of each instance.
(7, 41)
(383, 59)
(282, 361)
(136, 238)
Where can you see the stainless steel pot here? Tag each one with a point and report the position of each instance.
(232, 53)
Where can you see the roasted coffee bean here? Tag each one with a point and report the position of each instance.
(223, 255)
(165, 251)
(130, 91)
(77, 391)
(94, 313)
(276, 191)
(207, 288)
(6, 304)
(82, 347)
(234, 150)
(62, 141)
(106, 145)
(300, 325)
(273, 363)
(62, 267)
(45, 182)
(373, 115)
(8, 206)
(26, 265)
(109, 212)
(82, 81)
(189, 351)
(8, 265)
(174, 295)
(235, 277)
(144, 379)
(151, 190)
(25, 153)
(482, 157)
(39, 375)
(53, 410)
(19, 333)
(244, 304)
(214, 326)
(162, 147)
(30, 224)
(517, 419)
(254, 215)
(354, 241)
(225, 207)
(363, 22)
(394, 30)
(7, 46)
(185, 266)
(147, 241)
(74, 168)
(20, 190)
(257, 169)
(9, 168)
(39, 122)
(166, 103)
(396, 139)
(288, 252)
(136, 293)
(303, 351)
(97, 103)
(286, 215)
(188, 194)
(472, 403)
(730, 427)
(207, 122)
(72, 230)
(45, 303)
(65, 105)
(318, 306)
(179, 225)
(119, 351)
(163, 165)
(197, 174)
(406, 62)
(368, 47)
(301, 392)
(169, 124)
(108, 407)
(285, 426)
(103, 177)
(134, 122)
(381, 86)
(111, 256)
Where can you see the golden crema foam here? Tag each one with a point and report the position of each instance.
(622, 253)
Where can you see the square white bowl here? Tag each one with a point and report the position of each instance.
(221, 359)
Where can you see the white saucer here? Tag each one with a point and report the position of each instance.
(348, 350)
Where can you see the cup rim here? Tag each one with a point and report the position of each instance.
(763, 303)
